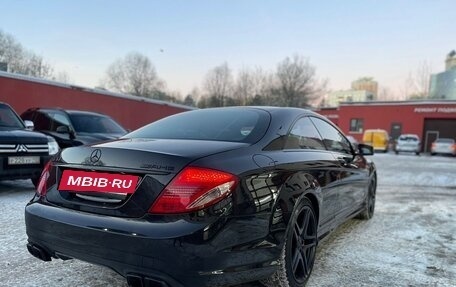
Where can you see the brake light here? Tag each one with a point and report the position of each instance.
(194, 188)
(42, 185)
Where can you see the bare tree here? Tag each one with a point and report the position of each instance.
(297, 82)
(22, 61)
(252, 84)
(408, 87)
(422, 79)
(134, 74)
(387, 94)
(62, 77)
(11, 51)
(416, 85)
(244, 88)
(36, 66)
(219, 85)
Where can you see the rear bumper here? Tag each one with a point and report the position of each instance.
(168, 251)
(407, 148)
(443, 151)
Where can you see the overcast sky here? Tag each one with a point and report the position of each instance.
(345, 40)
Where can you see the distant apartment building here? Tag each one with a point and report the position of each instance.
(443, 85)
(366, 84)
(337, 97)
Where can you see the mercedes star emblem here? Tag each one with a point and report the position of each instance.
(95, 156)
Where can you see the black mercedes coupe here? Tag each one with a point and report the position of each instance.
(211, 197)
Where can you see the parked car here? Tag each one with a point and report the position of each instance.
(72, 127)
(408, 143)
(23, 153)
(377, 138)
(443, 146)
(207, 197)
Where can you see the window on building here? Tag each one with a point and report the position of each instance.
(356, 125)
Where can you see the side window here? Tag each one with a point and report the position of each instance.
(332, 138)
(304, 135)
(41, 122)
(57, 120)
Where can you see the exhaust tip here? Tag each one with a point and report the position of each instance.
(38, 252)
(134, 280)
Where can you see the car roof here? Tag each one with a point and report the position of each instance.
(68, 111)
(445, 139)
(277, 110)
(74, 112)
(376, 130)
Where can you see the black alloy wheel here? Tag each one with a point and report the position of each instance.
(298, 254)
(303, 244)
(369, 209)
(371, 201)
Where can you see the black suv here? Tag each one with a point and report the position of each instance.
(23, 153)
(74, 128)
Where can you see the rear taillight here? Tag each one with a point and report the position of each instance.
(41, 189)
(194, 188)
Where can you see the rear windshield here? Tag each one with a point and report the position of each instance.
(449, 141)
(234, 125)
(9, 119)
(88, 123)
(408, 138)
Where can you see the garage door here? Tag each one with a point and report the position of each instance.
(438, 128)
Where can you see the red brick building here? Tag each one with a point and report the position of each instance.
(428, 119)
(23, 92)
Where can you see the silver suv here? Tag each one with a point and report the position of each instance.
(408, 143)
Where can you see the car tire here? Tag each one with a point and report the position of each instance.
(369, 204)
(432, 153)
(298, 253)
(417, 153)
(396, 152)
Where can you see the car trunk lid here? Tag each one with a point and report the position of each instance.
(124, 177)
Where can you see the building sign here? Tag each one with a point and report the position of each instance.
(443, 110)
(332, 116)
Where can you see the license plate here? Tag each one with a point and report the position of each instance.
(14, 160)
(88, 181)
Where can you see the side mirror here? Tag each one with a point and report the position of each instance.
(63, 130)
(29, 125)
(66, 130)
(365, 149)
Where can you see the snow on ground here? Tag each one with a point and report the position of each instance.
(411, 241)
(409, 169)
